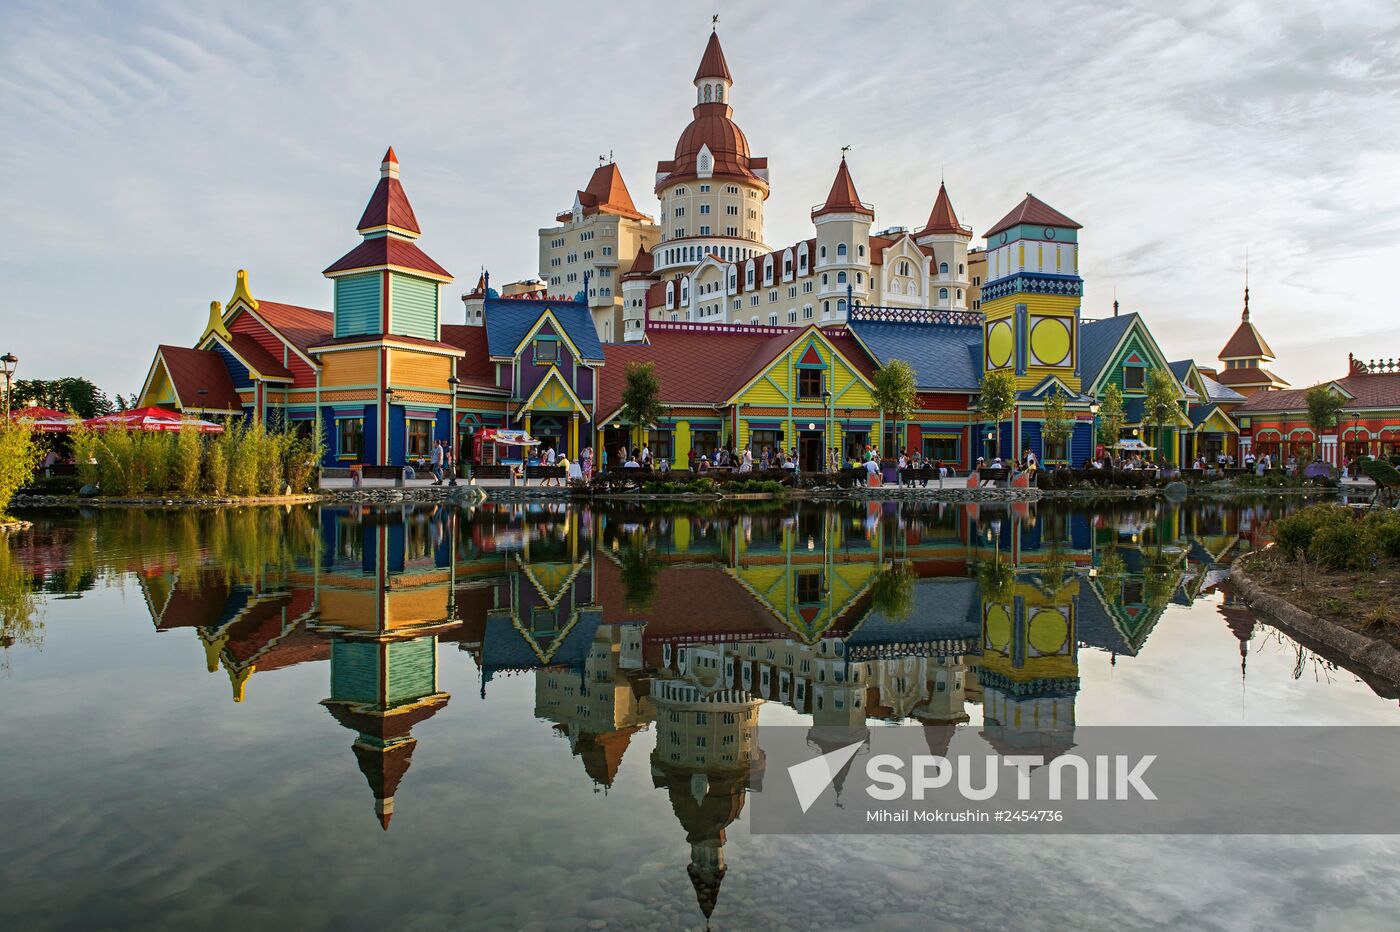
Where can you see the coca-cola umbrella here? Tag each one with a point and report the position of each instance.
(152, 418)
(45, 420)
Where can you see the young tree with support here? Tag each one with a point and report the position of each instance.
(997, 398)
(641, 397)
(896, 393)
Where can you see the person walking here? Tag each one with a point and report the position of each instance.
(437, 462)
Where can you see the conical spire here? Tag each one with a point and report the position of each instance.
(388, 208)
(942, 219)
(843, 197)
(712, 63)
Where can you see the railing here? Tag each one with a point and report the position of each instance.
(914, 315)
(1377, 366)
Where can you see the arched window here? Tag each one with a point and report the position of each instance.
(860, 279)
(960, 269)
(823, 251)
(861, 251)
(841, 251)
(719, 93)
(824, 279)
(707, 93)
(840, 305)
(943, 294)
(840, 278)
(826, 308)
(960, 294)
(942, 268)
(913, 288)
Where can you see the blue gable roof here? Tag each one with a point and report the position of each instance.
(944, 356)
(946, 619)
(508, 321)
(1097, 340)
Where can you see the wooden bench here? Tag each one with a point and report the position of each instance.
(545, 472)
(494, 471)
(361, 471)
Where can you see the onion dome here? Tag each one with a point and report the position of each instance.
(713, 144)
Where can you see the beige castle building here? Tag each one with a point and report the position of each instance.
(706, 259)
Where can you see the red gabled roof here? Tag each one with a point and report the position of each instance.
(388, 205)
(842, 198)
(191, 370)
(383, 251)
(1036, 212)
(1367, 390)
(260, 359)
(395, 337)
(1246, 343)
(712, 63)
(476, 367)
(942, 219)
(303, 327)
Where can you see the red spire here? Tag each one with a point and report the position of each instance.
(843, 197)
(1245, 315)
(712, 63)
(942, 219)
(388, 206)
(642, 266)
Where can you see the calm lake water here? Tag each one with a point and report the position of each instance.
(426, 718)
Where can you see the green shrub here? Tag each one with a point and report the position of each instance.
(1385, 529)
(1342, 546)
(1293, 535)
(215, 477)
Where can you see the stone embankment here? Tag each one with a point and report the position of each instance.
(1371, 658)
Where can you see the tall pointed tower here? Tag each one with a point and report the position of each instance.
(843, 238)
(387, 285)
(1245, 356)
(712, 191)
(1031, 298)
(949, 240)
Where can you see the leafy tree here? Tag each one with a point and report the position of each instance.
(641, 396)
(1057, 426)
(998, 397)
(67, 394)
(1323, 408)
(896, 391)
(1111, 416)
(1160, 402)
(892, 592)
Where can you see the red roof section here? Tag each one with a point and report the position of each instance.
(1034, 211)
(388, 205)
(303, 327)
(707, 366)
(191, 370)
(260, 359)
(942, 219)
(396, 337)
(382, 251)
(607, 193)
(643, 266)
(712, 126)
(476, 367)
(1368, 390)
(1248, 376)
(1246, 343)
(712, 63)
(843, 197)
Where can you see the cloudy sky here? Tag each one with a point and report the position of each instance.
(155, 148)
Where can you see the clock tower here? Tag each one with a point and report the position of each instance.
(1031, 300)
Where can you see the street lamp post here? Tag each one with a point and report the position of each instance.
(453, 381)
(1093, 426)
(9, 361)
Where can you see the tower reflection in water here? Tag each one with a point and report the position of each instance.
(691, 621)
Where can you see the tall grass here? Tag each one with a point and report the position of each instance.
(245, 460)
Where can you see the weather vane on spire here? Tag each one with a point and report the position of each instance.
(714, 22)
(844, 150)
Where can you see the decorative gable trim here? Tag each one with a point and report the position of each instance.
(553, 376)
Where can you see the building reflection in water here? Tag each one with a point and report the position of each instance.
(685, 624)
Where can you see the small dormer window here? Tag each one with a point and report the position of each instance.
(546, 351)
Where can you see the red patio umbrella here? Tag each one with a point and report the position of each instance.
(151, 418)
(46, 420)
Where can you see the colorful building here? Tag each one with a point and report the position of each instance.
(1276, 422)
